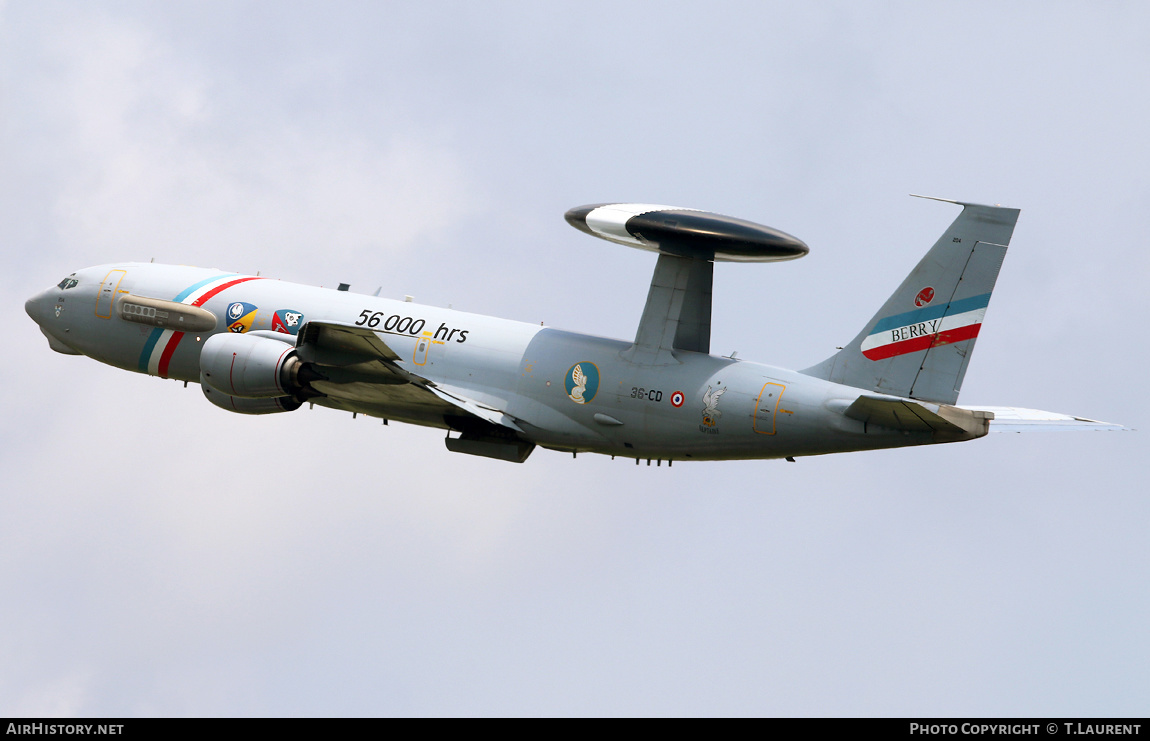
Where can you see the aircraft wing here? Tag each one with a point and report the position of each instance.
(359, 366)
(1017, 419)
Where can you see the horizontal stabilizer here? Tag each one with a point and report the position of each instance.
(947, 423)
(1017, 419)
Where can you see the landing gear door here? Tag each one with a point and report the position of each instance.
(767, 407)
(107, 295)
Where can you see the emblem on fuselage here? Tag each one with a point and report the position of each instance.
(924, 297)
(711, 411)
(240, 316)
(287, 321)
(582, 382)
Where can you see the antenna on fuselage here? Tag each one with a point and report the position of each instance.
(677, 315)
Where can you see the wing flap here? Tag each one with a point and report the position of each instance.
(490, 414)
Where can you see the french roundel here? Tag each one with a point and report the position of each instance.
(677, 399)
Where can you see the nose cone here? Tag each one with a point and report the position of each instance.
(34, 307)
(45, 312)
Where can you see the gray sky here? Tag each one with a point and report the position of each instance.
(161, 557)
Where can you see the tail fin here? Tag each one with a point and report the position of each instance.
(919, 343)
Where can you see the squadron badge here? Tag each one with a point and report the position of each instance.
(287, 321)
(582, 382)
(711, 411)
(240, 316)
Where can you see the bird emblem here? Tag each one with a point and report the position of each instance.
(580, 381)
(711, 412)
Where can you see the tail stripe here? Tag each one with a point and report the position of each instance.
(926, 328)
(931, 312)
(923, 342)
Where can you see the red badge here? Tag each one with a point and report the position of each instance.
(677, 399)
(924, 297)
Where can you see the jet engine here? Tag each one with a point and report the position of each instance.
(265, 405)
(253, 375)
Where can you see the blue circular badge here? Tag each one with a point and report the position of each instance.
(582, 382)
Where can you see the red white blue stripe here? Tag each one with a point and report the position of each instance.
(925, 328)
(162, 343)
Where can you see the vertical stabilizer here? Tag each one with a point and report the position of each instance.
(919, 343)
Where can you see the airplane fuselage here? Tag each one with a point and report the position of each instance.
(262, 346)
(567, 391)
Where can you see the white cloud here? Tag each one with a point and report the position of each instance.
(161, 163)
(64, 695)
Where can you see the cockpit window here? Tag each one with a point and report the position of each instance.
(67, 283)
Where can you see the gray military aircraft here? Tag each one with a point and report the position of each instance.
(259, 346)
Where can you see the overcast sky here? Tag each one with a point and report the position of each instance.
(159, 556)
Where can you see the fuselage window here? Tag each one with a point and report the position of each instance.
(147, 311)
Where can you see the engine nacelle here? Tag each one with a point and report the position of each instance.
(266, 405)
(249, 367)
